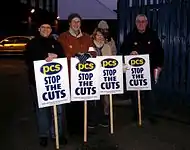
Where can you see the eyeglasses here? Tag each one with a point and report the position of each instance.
(141, 21)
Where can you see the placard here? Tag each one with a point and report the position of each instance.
(85, 80)
(111, 76)
(138, 72)
(52, 82)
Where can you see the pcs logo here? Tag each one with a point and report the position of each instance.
(109, 63)
(86, 67)
(136, 62)
(50, 68)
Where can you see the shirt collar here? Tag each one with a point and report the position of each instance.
(73, 33)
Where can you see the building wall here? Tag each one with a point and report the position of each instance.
(111, 4)
(49, 5)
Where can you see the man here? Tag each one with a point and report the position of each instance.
(76, 44)
(43, 47)
(143, 40)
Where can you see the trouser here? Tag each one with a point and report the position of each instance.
(75, 117)
(148, 102)
(96, 111)
(45, 117)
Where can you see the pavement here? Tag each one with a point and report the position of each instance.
(18, 124)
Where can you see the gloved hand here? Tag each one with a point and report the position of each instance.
(82, 57)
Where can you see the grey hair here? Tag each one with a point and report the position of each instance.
(141, 15)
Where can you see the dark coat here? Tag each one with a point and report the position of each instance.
(144, 43)
(38, 49)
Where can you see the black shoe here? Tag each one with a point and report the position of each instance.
(43, 141)
(105, 122)
(62, 140)
(152, 121)
(91, 125)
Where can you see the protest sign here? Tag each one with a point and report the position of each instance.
(85, 80)
(138, 72)
(52, 82)
(111, 76)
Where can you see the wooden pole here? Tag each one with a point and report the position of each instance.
(85, 121)
(56, 126)
(139, 108)
(111, 113)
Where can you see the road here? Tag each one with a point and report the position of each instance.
(18, 128)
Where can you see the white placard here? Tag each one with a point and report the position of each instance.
(52, 82)
(138, 72)
(85, 80)
(111, 75)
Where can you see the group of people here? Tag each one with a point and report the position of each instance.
(75, 43)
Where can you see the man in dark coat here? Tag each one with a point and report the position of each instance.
(143, 40)
(43, 47)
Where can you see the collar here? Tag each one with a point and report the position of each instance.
(73, 33)
(97, 44)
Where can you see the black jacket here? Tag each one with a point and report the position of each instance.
(144, 43)
(38, 49)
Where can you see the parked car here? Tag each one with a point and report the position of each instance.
(14, 45)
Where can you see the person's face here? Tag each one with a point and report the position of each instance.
(45, 30)
(141, 24)
(75, 24)
(105, 30)
(99, 37)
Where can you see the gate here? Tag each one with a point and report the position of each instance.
(171, 20)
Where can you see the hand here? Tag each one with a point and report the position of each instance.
(50, 57)
(125, 68)
(134, 53)
(157, 74)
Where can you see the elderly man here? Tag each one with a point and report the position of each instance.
(143, 40)
(76, 44)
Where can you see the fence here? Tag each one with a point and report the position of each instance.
(171, 20)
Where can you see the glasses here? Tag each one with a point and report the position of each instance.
(141, 21)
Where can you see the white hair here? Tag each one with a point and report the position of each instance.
(141, 15)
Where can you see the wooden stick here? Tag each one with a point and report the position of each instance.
(111, 114)
(56, 126)
(139, 108)
(85, 121)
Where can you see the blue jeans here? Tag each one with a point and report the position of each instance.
(45, 117)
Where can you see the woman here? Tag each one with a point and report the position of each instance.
(99, 44)
(102, 106)
(108, 39)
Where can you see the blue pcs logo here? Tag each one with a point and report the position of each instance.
(50, 68)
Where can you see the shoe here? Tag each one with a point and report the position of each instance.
(43, 141)
(105, 122)
(91, 125)
(62, 140)
(152, 121)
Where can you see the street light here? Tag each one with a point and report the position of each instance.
(58, 17)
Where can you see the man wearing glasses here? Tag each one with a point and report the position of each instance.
(143, 40)
(43, 47)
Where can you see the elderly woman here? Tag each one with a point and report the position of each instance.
(108, 39)
(101, 107)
